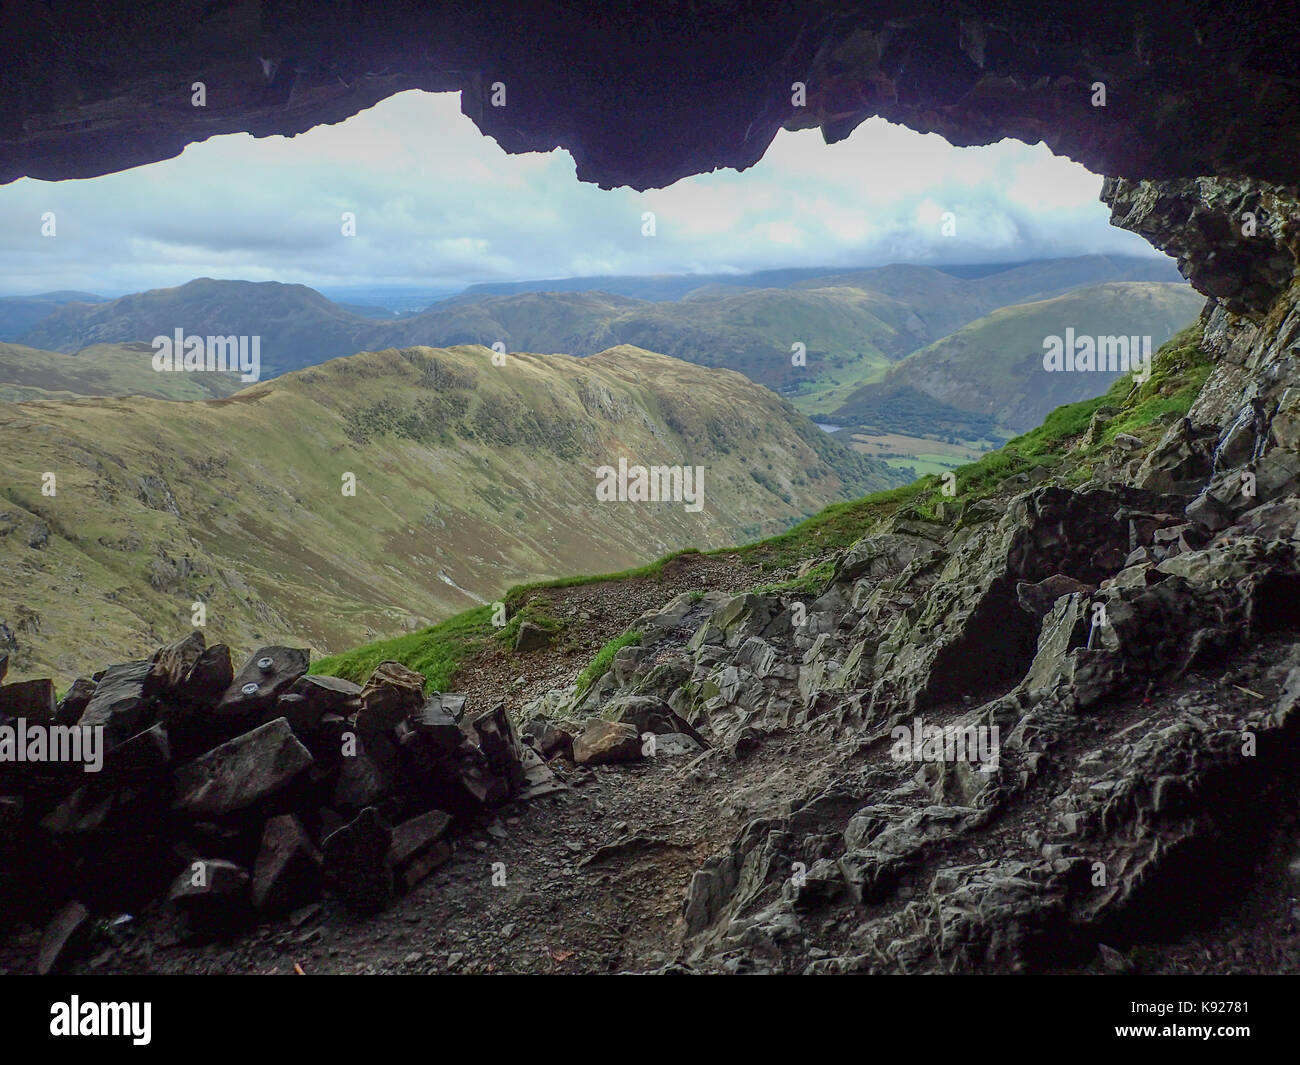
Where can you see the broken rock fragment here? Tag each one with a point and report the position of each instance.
(120, 702)
(172, 664)
(366, 774)
(261, 680)
(358, 864)
(1036, 599)
(145, 754)
(418, 848)
(531, 637)
(649, 714)
(500, 744)
(312, 697)
(213, 895)
(65, 937)
(438, 720)
(391, 693)
(673, 744)
(242, 772)
(74, 703)
(29, 699)
(539, 779)
(288, 869)
(477, 779)
(607, 741)
(209, 678)
(550, 738)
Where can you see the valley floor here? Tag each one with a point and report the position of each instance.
(920, 453)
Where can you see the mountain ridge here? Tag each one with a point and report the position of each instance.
(238, 502)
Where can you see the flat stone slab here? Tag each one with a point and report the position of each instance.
(241, 772)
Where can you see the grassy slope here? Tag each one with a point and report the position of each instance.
(469, 476)
(1178, 371)
(850, 335)
(1180, 368)
(101, 370)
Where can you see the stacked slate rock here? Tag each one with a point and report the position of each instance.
(233, 796)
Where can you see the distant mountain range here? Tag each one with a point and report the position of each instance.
(470, 477)
(19, 313)
(298, 326)
(853, 326)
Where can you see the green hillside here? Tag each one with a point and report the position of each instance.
(1071, 443)
(988, 376)
(101, 370)
(470, 477)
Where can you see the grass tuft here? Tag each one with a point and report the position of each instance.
(600, 664)
(435, 651)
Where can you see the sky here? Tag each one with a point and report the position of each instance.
(438, 205)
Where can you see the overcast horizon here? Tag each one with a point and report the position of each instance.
(439, 206)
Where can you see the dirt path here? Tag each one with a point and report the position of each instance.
(590, 880)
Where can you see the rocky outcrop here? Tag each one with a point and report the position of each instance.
(914, 618)
(1236, 240)
(1052, 708)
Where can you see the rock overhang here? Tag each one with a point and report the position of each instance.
(645, 96)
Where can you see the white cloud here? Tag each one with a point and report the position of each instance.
(439, 204)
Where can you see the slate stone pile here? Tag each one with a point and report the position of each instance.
(233, 796)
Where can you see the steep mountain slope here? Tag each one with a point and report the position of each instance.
(576, 323)
(101, 370)
(944, 302)
(750, 331)
(469, 477)
(988, 375)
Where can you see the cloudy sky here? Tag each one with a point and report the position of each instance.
(439, 205)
